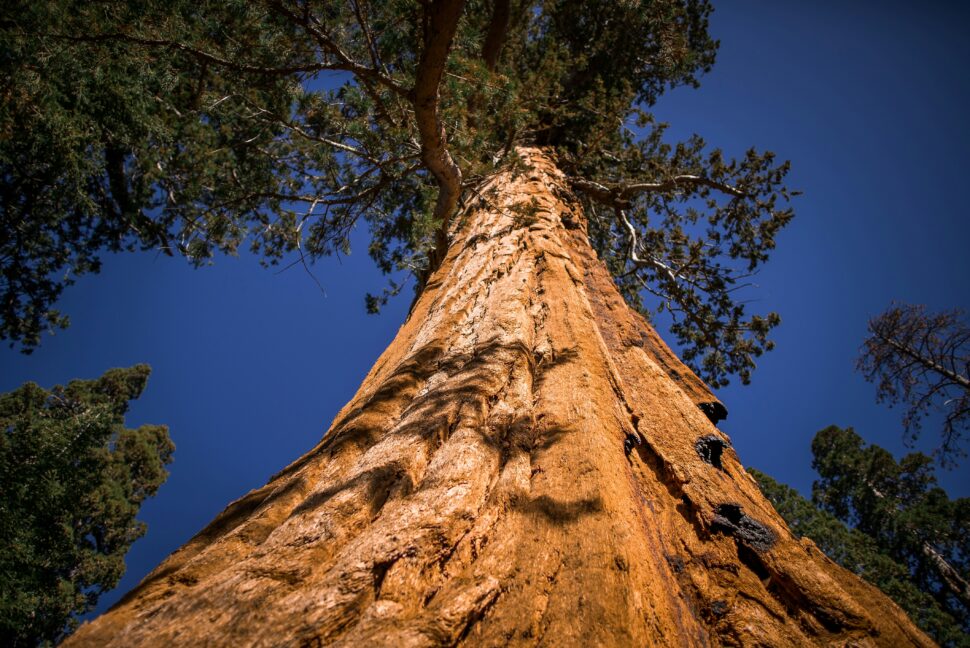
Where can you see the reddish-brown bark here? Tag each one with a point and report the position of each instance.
(526, 464)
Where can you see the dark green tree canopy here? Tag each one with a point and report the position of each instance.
(889, 522)
(198, 127)
(72, 479)
(863, 555)
(902, 507)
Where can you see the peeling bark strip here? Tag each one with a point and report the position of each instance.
(475, 491)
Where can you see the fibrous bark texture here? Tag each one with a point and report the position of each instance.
(526, 464)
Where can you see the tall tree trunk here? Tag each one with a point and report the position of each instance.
(526, 464)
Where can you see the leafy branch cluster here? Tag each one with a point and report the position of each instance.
(196, 128)
(692, 238)
(72, 479)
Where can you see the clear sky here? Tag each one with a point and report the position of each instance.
(869, 101)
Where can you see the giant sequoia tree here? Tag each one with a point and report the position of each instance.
(527, 462)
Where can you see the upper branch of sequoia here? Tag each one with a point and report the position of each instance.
(285, 124)
(621, 195)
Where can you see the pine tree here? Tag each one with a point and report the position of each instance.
(72, 479)
(871, 558)
(901, 506)
(527, 462)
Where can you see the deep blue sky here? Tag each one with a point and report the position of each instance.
(868, 100)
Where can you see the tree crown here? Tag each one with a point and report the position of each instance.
(198, 127)
(901, 506)
(871, 559)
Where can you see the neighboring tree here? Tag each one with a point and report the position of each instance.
(922, 360)
(72, 479)
(884, 555)
(901, 506)
(527, 462)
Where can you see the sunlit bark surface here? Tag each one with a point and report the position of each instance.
(526, 464)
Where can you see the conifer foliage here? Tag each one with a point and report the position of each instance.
(72, 479)
(198, 127)
(890, 523)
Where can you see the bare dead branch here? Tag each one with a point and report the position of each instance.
(921, 359)
(926, 359)
(657, 264)
(620, 195)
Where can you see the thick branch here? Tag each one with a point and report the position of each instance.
(441, 23)
(620, 195)
(680, 181)
(495, 38)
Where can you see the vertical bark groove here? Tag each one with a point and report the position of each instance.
(477, 489)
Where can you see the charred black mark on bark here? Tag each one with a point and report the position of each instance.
(714, 411)
(676, 563)
(730, 519)
(630, 442)
(717, 609)
(710, 448)
(621, 563)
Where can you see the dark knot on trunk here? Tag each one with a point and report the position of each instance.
(714, 411)
(730, 519)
